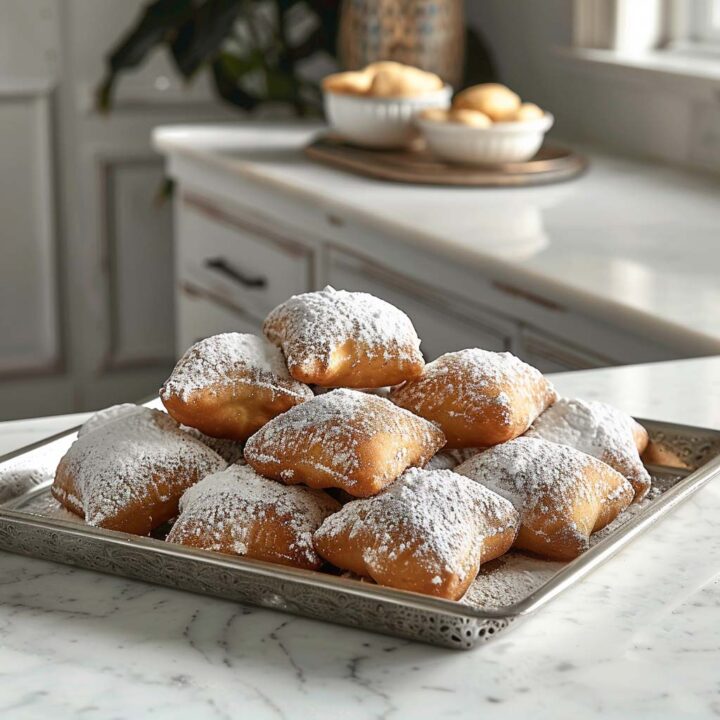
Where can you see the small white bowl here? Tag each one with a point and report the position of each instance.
(380, 122)
(502, 142)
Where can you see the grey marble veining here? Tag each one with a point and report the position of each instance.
(638, 638)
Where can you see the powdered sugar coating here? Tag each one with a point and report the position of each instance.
(342, 422)
(228, 358)
(472, 385)
(311, 327)
(116, 464)
(449, 459)
(232, 502)
(442, 516)
(109, 414)
(229, 450)
(540, 477)
(599, 430)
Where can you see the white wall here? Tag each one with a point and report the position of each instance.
(639, 113)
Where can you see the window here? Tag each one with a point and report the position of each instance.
(704, 22)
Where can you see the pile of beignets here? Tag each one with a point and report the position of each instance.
(330, 443)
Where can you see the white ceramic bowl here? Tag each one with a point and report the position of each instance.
(502, 142)
(380, 122)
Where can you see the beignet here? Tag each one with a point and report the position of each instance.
(344, 439)
(477, 398)
(599, 430)
(335, 338)
(238, 512)
(428, 532)
(562, 494)
(129, 474)
(230, 385)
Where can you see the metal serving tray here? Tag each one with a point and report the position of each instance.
(32, 524)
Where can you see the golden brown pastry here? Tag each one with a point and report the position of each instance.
(348, 83)
(529, 111)
(562, 494)
(345, 339)
(428, 532)
(403, 81)
(385, 78)
(599, 430)
(476, 397)
(129, 474)
(238, 512)
(471, 118)
(344, 439)
(498, 102)
(229, 385)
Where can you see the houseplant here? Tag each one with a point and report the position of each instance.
(257, 51)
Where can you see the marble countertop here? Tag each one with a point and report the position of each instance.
(638, 638)
(630, 241)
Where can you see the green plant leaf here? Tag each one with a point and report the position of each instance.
(229, 89)
(200, 37)
(479, 64)
(150, 30)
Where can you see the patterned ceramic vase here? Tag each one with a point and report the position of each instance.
(429, 34)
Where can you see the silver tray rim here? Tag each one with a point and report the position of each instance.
(574, 571)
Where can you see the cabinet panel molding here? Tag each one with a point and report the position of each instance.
(136, 256)
(30, 334)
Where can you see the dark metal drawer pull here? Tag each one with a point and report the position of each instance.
(224, 267)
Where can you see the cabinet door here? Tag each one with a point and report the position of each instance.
(551, 354)
(236, 258)
(444, 323)
(201, 315)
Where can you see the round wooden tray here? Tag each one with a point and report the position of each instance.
(553, 163)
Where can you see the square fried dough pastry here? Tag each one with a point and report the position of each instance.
(562, 494)
(477, 397)
(335, 338)
(238, 512)
(129, 474)
(428, 532)
(599, 430)
(230, 385)
(229, 450)
(344, 439)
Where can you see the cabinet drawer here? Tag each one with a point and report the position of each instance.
(229, 253)
(549, 354)
(443, 324)
(199, 315)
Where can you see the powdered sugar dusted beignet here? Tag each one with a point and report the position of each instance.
(336, 338)
(230, 385)
(599, 430)
(344, 439)
(106, 415)
(428, 532)
(562, 494)
(477, 398)
(129, 474)
(237, 511)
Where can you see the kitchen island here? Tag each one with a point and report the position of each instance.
(638, 638)
(615, 267)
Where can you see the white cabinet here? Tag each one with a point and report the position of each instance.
(86, 256)
(443, 321)
(232, 268)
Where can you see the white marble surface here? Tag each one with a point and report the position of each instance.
(631, 241)
(638, 638)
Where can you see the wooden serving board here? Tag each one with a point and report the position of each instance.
(553, 163)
